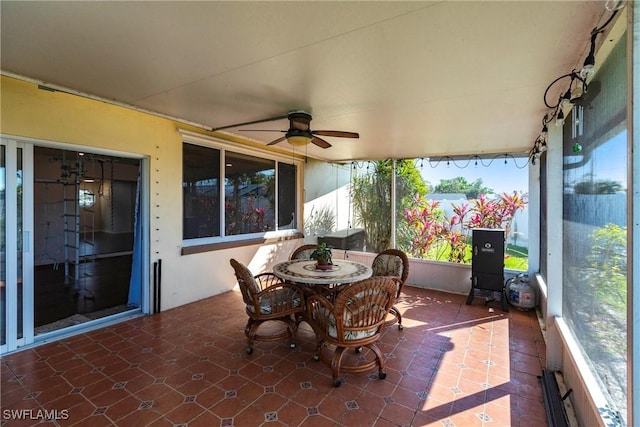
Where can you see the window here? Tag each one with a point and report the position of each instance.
(595, 228)
(201, 192)
(249, 198)
(258, 195)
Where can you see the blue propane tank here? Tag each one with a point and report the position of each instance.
(520, 294)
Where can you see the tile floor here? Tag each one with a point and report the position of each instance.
(452, 365)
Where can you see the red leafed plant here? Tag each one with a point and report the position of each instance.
(435, 234)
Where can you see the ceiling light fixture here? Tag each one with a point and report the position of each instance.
(567, 98)
(298, 137)
(588, 69)
(560, 118)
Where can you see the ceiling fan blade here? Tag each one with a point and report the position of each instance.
(275, 141)
(320, 142)
(250, 123)
(336, 133)
(262, 130)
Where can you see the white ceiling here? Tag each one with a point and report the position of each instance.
(415, 78)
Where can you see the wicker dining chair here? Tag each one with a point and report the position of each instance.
(355, 320)
(392, 262)
(303, 252)
(267, 298)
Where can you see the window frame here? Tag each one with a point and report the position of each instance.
(206, 244)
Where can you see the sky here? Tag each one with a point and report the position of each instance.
(495, 174)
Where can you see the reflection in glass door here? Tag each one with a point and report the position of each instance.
(16, 258)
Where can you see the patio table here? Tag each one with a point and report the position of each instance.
(305, 271)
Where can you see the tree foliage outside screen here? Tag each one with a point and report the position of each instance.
(460, 185)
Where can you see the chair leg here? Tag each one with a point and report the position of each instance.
(397, 317)
(292, 327)
(396, 313)
(319, 342)
(380, 359)
(250, 331)
(336, 361)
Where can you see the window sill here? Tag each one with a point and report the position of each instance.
(210, 247)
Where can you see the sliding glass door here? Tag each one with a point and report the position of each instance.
(16, 242)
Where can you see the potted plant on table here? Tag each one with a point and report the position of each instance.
(322, 255)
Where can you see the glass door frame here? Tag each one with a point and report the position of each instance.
(19, 331)
(20, 337)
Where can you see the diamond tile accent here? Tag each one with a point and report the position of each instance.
(351, 405)
(484, 417)
(189, 399)
(147, 404)
(312, 411)
(267, 369)
(423, 395)
(271, 416)
(269, 389)
(226, 422)
(160, 380)
(388, 399)
(197, 376)
(101, 410)
(120, 385)
(170, 362)
(230, 393)
(305, 385)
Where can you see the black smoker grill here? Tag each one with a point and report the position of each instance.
(347, 239)
(487, 263)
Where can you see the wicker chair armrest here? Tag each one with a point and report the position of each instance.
(266, 280)
(320, 312)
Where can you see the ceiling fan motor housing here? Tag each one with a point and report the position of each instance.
(300, 120)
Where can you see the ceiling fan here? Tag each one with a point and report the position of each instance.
(299, 132)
